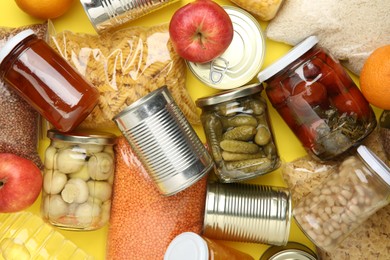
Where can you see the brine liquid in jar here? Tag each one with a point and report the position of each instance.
(46, 81)
(318, 100)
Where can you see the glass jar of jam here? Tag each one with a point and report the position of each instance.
(46, 81)
(347, 198)
(201, 248)
(77, 179)
(318, 100)
(239, 133)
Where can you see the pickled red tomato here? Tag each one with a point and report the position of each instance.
(288, 116)
(352, 102)
(326, 76)
(313, 93)
(277, 94)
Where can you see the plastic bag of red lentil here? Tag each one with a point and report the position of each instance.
(18, 120)
(143, 222)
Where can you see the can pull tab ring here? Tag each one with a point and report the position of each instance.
(217, 71)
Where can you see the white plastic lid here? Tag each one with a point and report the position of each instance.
(287, 59)
(375, 163)
(11, 43)
(189, 246)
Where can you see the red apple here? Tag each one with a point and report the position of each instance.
(200, 31)
(20, 183)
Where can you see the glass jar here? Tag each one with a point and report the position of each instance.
(347, 198)
(318, 100)
(384, 130)
(46, 81)
(201, 248)
(239, 133)
(77, 181)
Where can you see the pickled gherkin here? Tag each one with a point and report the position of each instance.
(239, 133)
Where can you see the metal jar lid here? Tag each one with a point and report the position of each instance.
(229, 95)
(243, 58)
(85, 137)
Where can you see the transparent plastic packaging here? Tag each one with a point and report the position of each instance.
(46, 81)
(265, 10)
(124, 66)
(78, 177)
(239, 133)
(318, 100)
(203, 248)
(347, 198)
(24, 236)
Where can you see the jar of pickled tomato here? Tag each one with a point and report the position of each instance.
(46, 81)
(318, 100)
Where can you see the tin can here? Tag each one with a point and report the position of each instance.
(292, 250)
(318, 100)
(347, 198)
(239, 133)
(107, 14)
(77, 179)
(243, 58)
(164, 141)
(247, 213)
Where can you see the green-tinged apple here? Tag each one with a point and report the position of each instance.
(200, 31)
(20, 183)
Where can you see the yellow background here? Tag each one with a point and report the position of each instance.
(94, 242)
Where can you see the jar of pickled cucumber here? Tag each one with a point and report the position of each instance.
(239, 133)
(77, 182)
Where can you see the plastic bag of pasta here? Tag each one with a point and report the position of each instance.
(18, 120)
(124, 66)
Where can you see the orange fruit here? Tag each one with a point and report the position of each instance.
(375, 78)
(44, 9)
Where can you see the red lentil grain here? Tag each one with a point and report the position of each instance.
(143, 222)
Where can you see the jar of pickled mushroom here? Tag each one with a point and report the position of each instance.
(77, 182)
(318, 100)
(239, 133)
(346, 199)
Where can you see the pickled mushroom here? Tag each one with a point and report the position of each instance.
(69, 161)
(75, 190)
(101, 166)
